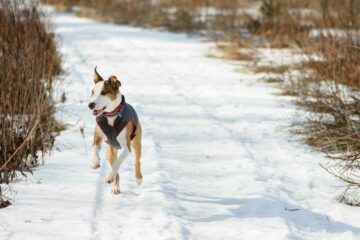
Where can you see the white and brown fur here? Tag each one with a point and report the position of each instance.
(106, 96)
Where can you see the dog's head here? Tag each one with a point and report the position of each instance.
(104, 94)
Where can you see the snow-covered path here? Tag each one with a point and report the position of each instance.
(218, 161)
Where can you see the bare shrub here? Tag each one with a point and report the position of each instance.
(28, 60)
(339, 14)
(334, 59)
(330, 94)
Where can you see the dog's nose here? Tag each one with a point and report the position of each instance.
(91, 105)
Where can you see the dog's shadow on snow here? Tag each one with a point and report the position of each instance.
(295, 217)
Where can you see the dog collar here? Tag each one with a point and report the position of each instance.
(117, 109)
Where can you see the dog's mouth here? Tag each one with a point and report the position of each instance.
(98, 112)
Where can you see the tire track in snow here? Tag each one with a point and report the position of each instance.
(157, 147)
(99, 187)
(210, 115)
(185, 218)
(98, 202)
(172, 82)
(258, 162)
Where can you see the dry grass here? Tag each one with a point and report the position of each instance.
(280, 69)
(175, 15)
(28, 61)
(232, 50)
(274, 79)
(330, 92)
(340, 60)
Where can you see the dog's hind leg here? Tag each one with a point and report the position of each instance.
(96, 146)
(136, 146)
(112, 156)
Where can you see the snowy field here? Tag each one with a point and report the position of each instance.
(218, 159)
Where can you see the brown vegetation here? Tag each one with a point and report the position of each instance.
(174, 15)
(231, 50)
(330, 91)
(28, 61)
(281, 69)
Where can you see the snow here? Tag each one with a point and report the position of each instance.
(218, 159)
(337, 33)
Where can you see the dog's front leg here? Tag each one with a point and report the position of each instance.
(114, 177)
(112, 156)
(122, 154)
(95, 159)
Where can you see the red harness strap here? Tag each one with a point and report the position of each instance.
(115, 111)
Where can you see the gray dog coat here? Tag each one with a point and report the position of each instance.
(125, 114)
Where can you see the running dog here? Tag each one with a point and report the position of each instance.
(118, 124)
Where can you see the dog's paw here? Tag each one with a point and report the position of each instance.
(110, 177)
(109, 180)
(95, 166)
(115, 190)
(95, 163)
(138, 181)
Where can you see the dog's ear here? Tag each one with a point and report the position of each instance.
(97, 77)
(115, 81)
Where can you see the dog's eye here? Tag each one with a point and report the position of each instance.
(92, 92)
(103, 92)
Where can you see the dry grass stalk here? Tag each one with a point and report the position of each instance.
(280, 69)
